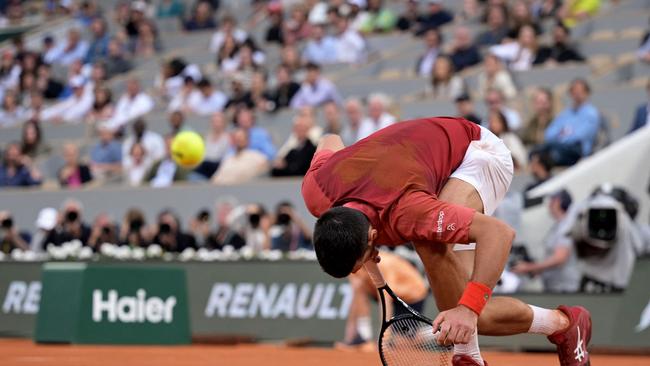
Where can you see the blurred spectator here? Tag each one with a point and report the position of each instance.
(165, 172)
(543, 9)
(643, 53)
(217, 145)
(73, 174)
(377, 18)
(465, 108)
(257, 228)
(152, 142)
(9, 71)
(147, 43)
(242, 165)
(176, 122)
(180, 99)
(354, 112)
(284, 90)
(103, 107)
(46, 231)
(571, 135)
(291, 60)
(321, 48)
(521, 54)
(72, 225)
(200, 228)
(471, 12)
(258, 137)
(133, 104)
(543, 114)
(520, 16)
(133, 230)
(295, 160)
(573, 12)
(49, 49)
(17, 169)
(225, 233)
(497, 27)
(244, 63)
(202, 18)
(297, 28)
(106, 154)
(32, 144)
(227, 29)
(332, 116)
(378, 116)
(206, 100)
(409, 18)
(496, 102)
(74, 49)
(35, 106)
(169, 234)
(350, 46)
(274, 32)
(424, 64)
(87, 12)
(434, 18)
(541, 167)
(463, 52)
(103, 230)
(116, 61)
(561, 50)
(12, 112)
(73, 109)
(642, 115)
(316, 90)
(445, 83)
(498, 125)
(239, 96)
(136, 163)
(10, 237)
(258, 95)
(46, 84)
(169, 9)
(559, 268)
(98, 47)
(289, 232)
(173, 76)
(493, 75)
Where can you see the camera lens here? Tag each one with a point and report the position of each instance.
(72, 216)
(254, 220)
(284, 219)
(106, 230)
(135, 225)
(165, 228)
(7, 223)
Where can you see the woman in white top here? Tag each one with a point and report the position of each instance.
(136, 165)
(11, 113)
(217, 141)
(519, 55)
(445, 83)
(498, 125)
(493, 76)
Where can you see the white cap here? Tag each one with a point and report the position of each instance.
(46, 219)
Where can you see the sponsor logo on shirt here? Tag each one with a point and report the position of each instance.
(441, 218)
(451, 227)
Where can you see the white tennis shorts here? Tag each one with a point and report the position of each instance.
(488, 167)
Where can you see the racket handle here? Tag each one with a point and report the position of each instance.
(375, 274)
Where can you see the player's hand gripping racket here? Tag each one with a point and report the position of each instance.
(407, 338)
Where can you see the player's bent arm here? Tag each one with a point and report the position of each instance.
(330, 142)
(493, 241)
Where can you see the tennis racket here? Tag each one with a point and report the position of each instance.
(406, 339)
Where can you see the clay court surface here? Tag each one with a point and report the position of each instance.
(24, 352)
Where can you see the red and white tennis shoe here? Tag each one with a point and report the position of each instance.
(465, 360)
(572, 342)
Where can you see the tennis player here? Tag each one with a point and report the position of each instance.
(404, 279)
(434, 181)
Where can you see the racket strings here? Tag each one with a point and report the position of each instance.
(410, 342)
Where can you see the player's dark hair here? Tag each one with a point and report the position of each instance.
(340, 239)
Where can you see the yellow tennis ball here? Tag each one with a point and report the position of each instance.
(188, 149)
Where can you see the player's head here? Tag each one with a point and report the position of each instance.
(343, 241)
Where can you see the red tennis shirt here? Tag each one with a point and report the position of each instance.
(394, 177)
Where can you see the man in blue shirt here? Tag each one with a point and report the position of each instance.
(642, 115)
(321, 49)
(106, 155)
(98, 48)
(571, 135)
(258, 137)
(13, 170)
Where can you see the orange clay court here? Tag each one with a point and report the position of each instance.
(15, 352)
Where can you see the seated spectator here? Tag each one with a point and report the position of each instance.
(10, 237)
(315, 91)
(134, 104)
(258, 137)
(49, 87)
(332, 116)
(274, 33)
(321, 48)
(289, 232)
(227, 28)
(257, 227)
(521, 54)
(49, 49)
(543, 114)
(424, 64)
(409, 18)
(573, 12)
(103, 230)
(16, 169)
(206, 100)
(134, 231)
(435, 17)
(244, 64)
(494, 76)
(173, 76)
(642, 115)
(32, 144)
(201, 227)
(170, 235)
(73, 49)
(445, 83)
(463, 52)
(106, 155)
(571, 135)
(153, 143)
(297, 28)
(496, 102)
(72, 225)
(201, 19)
(350, 46)
(180, 99)
(258, 95)
(498, 125)
(243, 165)
(643, 53)
(559, 268)
(73, 109)
(176, 122)
(290, 58)
(377, 18)
(136, 164)
(295, 159)
(35, 106)
(541, 167)
(225, 234)
(520, 16)
(465, 108)
(285, 89)
(116, 60)
(164, 172)
(497, 27)
(378, 116)
(46, 233)
(170, 9)
(217, 145)
(73, 174)
(561, 50)
(103, 108)
(11, 113)
(98, 47)
(354, 112)
(148, 42)
(239, 96)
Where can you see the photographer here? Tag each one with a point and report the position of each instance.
(47, 232)
(226, 234)
(103, 231)
(289, 231)
(169, 235)
(72, 225)
(10, 238)
(253, 223)
(134, 231)
(200, 227)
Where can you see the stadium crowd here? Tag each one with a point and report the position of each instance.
(72, 80)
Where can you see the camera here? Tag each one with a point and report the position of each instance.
(203, 215)
(164, 228)
(106, 230)
(135, 225)
(254, 220)
(284, 219)
(71, 216)
(7, 223)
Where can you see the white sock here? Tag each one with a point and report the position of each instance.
(545, 321)
(364, 327)
(470, 349)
